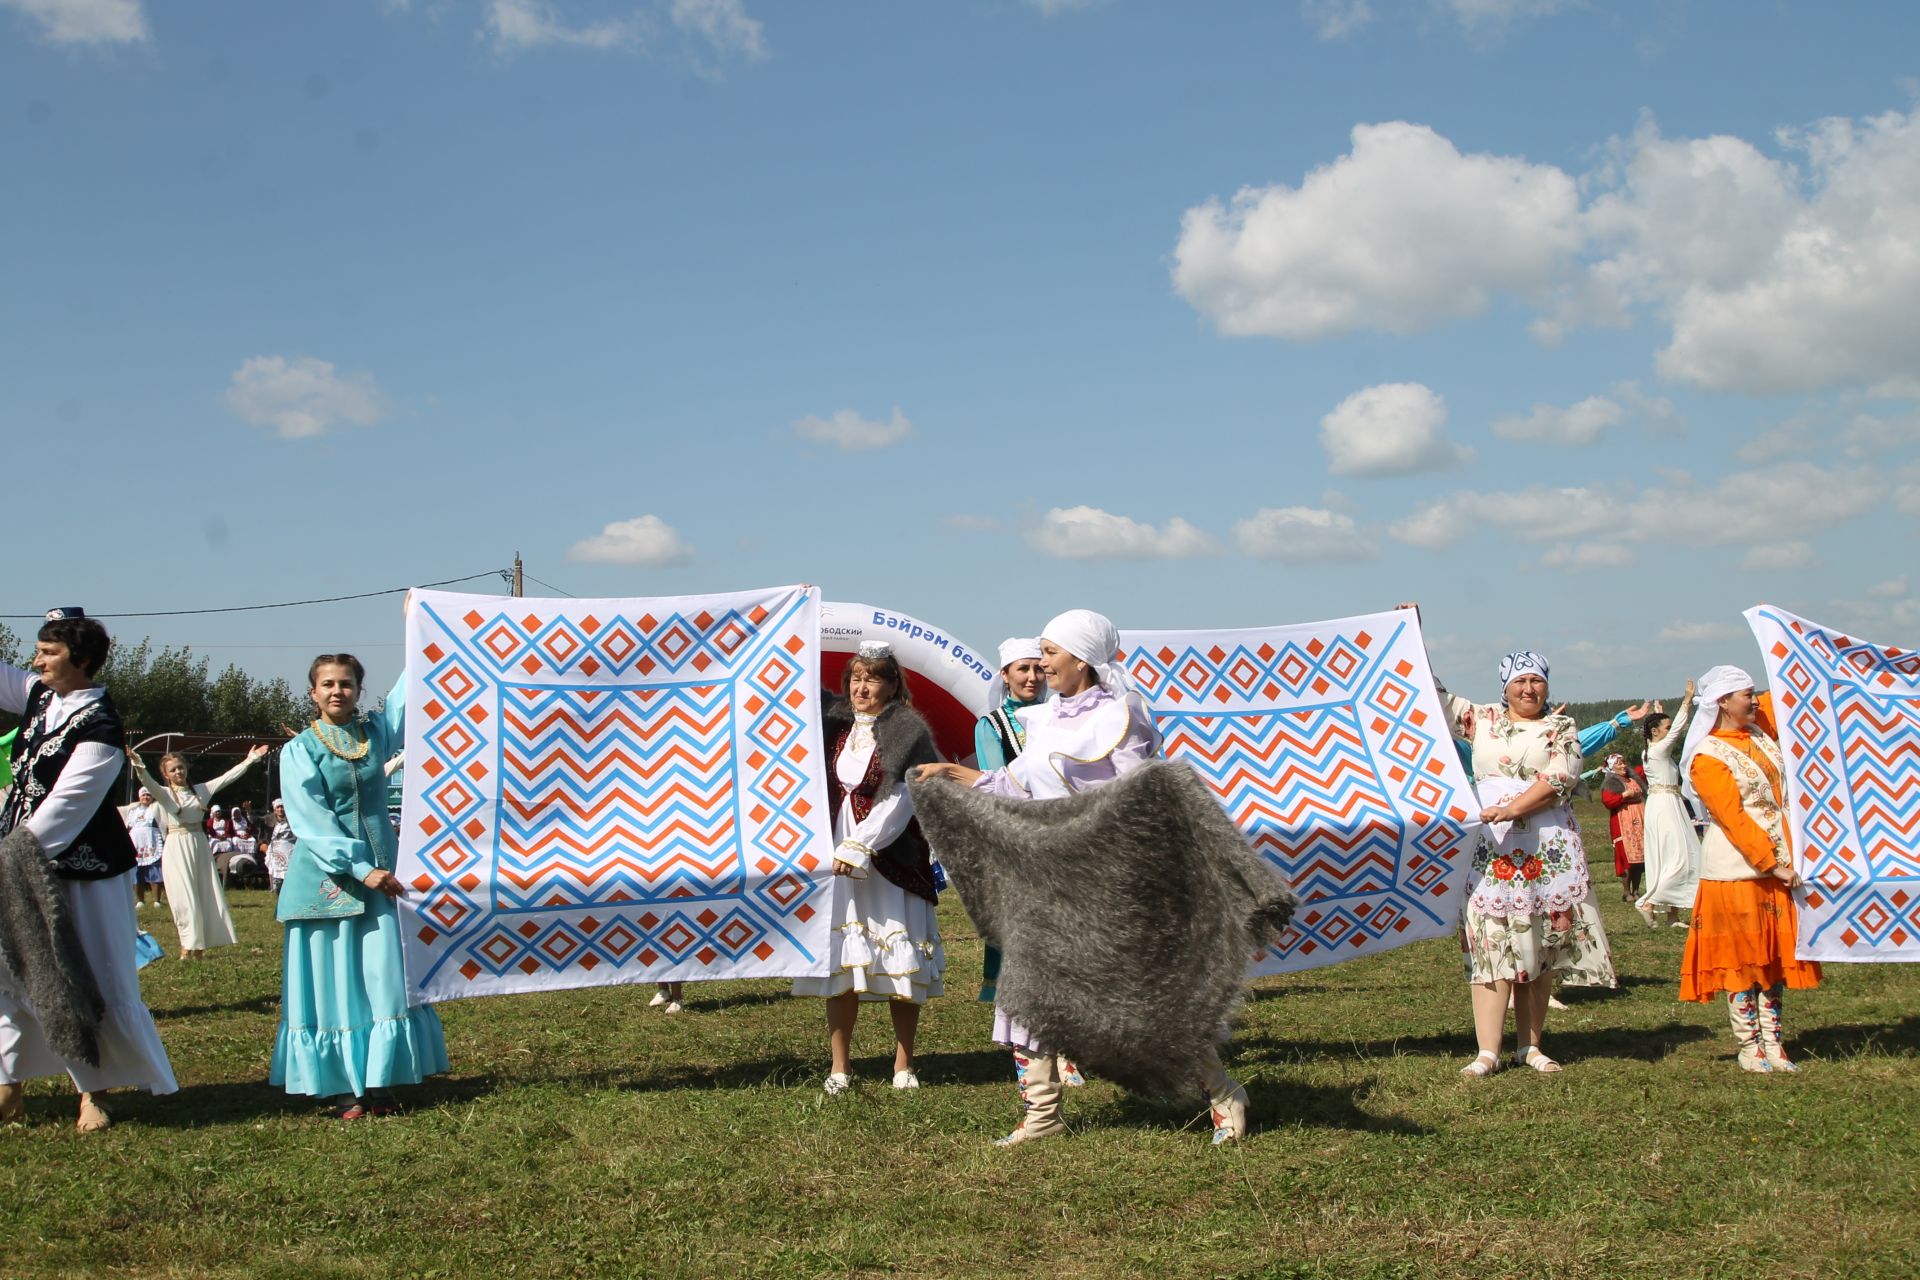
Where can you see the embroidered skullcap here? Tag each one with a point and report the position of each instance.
(65, 613)
(874, 651)
(1012, 650)
(1521, 662)
(1716, 684)
(1092, 638)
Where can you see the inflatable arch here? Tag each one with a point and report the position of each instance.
(948, 680)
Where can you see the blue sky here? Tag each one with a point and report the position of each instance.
(1585, 325)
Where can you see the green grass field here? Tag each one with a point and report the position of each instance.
(582, 1134)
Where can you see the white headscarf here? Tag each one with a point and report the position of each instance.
(1012, 650)
(1091, 637)
(1707, 692)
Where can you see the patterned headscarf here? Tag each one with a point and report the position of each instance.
(1521, 662)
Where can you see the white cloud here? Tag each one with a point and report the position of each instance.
(1891, 589)
(518, 25)
(1088, 533)
(1696, 632)
(300, 396)
(1779, 556)
(1390, 429)
(723, 23)
(1656, 413)
(1772, 273)
(644, 540)
(1588, 555)
(851, 433)
(1580, 423)
(1563, 513)
(1400, 234)
(1303, 535)
(1906, 491)
(1767, 504)
(1334, 19)
(85, 21)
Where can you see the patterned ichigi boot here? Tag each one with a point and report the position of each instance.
(1039, 1079)
(1227, 1100)
(1771, 1048)
(1743, 1013)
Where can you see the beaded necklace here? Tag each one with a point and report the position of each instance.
(339, 740)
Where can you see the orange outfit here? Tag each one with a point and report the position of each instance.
(1744, 919)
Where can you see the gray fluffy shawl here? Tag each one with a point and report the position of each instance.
(42, 949)
(1129, 915)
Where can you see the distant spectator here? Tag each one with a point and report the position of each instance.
(143, 825)
(279, 847)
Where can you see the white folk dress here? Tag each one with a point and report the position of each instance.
(1673, 848)
(1526, 872)
(186, 861)
(102, 911)
(885, 943)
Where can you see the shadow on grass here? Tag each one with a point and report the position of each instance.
(1847, 1040)
(1649, 1044)
(269, 1003)
(1273, 1102)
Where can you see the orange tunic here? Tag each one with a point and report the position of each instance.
(1743, 930)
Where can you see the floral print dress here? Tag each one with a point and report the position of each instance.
(1529, 909)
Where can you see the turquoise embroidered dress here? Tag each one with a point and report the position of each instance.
(345, 1024)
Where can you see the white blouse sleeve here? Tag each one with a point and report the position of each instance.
(76, 795)
(883, 825)
(14, 686)
(1674, 735)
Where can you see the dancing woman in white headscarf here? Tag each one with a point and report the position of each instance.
(1744, 920)
(1091, 730)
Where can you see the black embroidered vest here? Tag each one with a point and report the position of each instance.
(103, 848)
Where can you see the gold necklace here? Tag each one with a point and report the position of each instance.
(337, 740)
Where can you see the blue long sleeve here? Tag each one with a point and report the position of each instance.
(987, 755)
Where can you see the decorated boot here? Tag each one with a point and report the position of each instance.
(1227, 1101)
(1743, 1014)
(1039, 1080)
(1771, 1047)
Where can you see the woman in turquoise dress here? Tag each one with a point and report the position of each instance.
(347, 1031)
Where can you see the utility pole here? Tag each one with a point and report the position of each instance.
(519, 588)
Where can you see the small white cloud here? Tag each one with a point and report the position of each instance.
(1906, 492)
(300, 396)
(643, 540)
(1580, 423)
(1088, 533)
(1564, 513)
(1780, 556)
(1767, 504)
(1693, 632)
(518, 25)
(1303, 535)
(1891, 589)
(1656, 413)
(1336, 19)
(851, 433)
(85, 21)
(724, 24)
(1390, 429)
(1587, 555)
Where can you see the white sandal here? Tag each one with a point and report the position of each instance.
(1532, 1057)
(1484, 1064)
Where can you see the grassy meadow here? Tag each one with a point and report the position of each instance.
(582, 1134)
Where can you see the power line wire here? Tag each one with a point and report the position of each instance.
(548, 585)
(251, 608)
